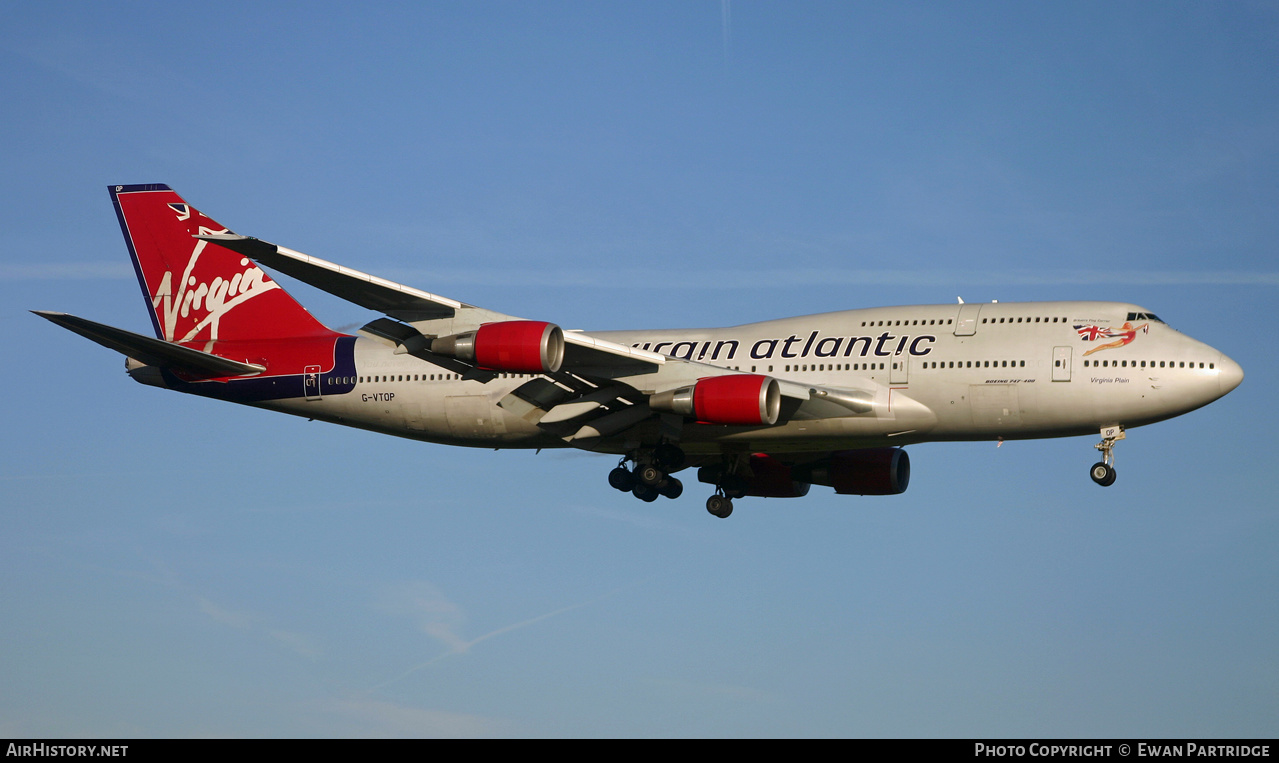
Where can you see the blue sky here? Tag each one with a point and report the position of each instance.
(172, 566)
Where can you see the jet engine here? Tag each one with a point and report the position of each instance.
(520, 347)
(733, 400)
(874, 471)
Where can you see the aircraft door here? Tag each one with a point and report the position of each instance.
(1061, 363)
(311, 382)
(899, 369)
(966, 322)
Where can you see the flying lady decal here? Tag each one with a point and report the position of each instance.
(1122, 336)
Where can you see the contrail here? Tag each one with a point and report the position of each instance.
(726, 27)
(466, 646)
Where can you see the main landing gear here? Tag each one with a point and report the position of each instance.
(719, 505)
(728, 485)
(1103, 472)
(651, 476)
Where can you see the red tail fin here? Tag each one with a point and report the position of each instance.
(200, 292)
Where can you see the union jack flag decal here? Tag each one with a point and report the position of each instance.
(1090, 333)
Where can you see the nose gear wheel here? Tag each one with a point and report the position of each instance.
(1103, 472)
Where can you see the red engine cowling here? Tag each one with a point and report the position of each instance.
(875, 471)
(733, 400)
(520, 347)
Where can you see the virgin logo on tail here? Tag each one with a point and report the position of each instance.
(213, 299)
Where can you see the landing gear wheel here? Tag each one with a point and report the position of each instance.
(1103, 474)
(645, 493)
(719, 506)
(622, 479)
(672, 488)
(649, 475)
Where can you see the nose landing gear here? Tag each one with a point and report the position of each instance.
(1103, 472)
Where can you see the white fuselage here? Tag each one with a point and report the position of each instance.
(943, 372)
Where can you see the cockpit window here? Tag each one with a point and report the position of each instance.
(1144, 317)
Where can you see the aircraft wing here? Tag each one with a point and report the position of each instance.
(396, 300)
(430, 315)
(598, 388)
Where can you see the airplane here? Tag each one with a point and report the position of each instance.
(762, 409)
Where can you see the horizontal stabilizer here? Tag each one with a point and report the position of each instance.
(152, 351)
(393, 299)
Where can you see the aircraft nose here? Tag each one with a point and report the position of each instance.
(1229, 374)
